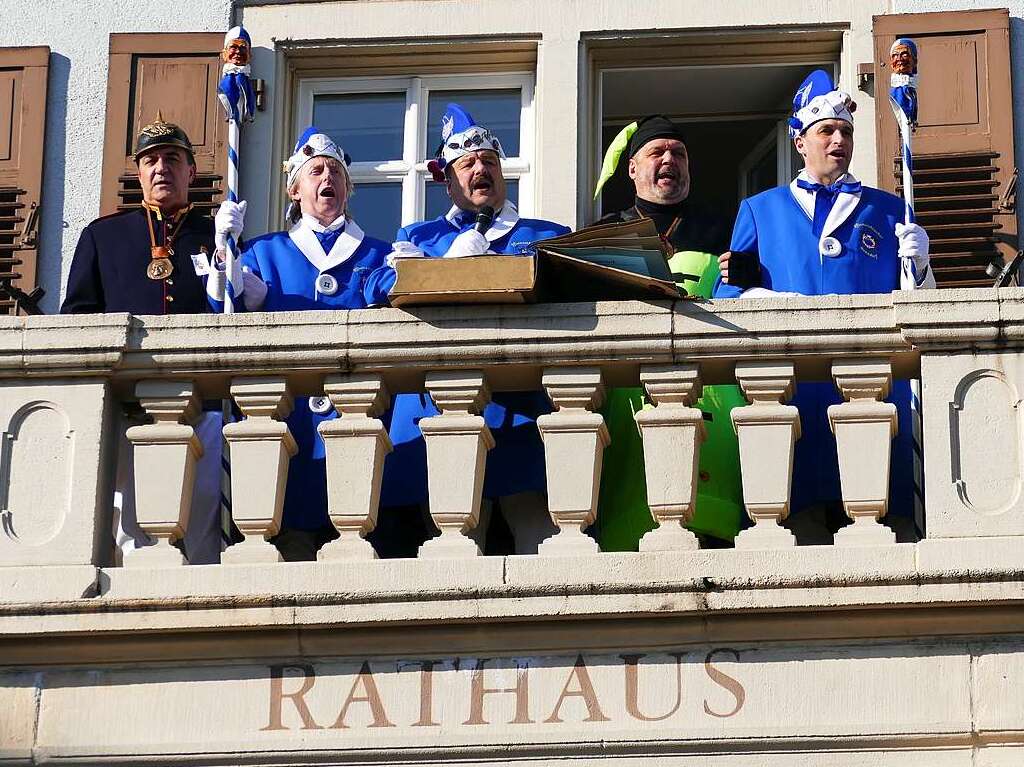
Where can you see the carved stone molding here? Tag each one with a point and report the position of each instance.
(672, 434)
(574, 443)
(165, 458)
(767, 431)
(457, 445)
(260, 447)
(356, 444)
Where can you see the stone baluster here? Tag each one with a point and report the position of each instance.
(672, 434)
(356, 444)
(261, 447)
(457, 444)
(574, 443)
(165, 455)
(767, 431)
(864, 427)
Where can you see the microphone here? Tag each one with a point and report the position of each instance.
(484, 219)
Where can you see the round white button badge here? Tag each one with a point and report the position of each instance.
(326, 284)
(320, 405)
(830, 247)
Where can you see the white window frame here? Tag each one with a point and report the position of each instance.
(420, 139)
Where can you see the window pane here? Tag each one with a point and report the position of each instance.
(438, 202)
(497, 110)
(369, 126)
(377, 208)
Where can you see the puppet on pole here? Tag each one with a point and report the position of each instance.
(903, 100)
(236, 96)
(238, 99)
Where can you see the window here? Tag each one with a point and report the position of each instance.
(390, 127)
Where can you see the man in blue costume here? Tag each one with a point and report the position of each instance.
(827, 233)
(468, 160)
(322, 261)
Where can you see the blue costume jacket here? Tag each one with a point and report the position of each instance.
(776, 225)
(516, 463)
(290, 263)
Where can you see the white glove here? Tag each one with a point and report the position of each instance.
(913, 242)
(913, 253)
(469, 243)
(254, 290)
(402, 249)
(229, 220)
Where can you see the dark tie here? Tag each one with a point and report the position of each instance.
(824, 198)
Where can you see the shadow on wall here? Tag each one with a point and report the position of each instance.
(52, 224)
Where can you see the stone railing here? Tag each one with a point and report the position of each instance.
(63, 380)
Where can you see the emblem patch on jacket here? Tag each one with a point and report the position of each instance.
(869, 238)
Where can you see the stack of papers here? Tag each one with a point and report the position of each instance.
(608, 262)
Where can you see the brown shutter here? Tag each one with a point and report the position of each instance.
(963, 147)
(175, 74)
(23, 73)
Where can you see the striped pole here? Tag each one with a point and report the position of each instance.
(236, 97)
(903, 100)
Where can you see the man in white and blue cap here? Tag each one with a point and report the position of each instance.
(468, 160)
(321, 261)
(827, 233)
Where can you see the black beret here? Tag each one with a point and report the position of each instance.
(652, 127)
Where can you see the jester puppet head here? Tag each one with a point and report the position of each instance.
(903, 57)
(237, 47)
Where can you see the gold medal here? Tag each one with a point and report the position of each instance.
(160, 266)
(159, 269)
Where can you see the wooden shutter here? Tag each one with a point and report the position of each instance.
(175, 74)
(23, 73)
(963, 148)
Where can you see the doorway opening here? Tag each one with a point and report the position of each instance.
(733, 117)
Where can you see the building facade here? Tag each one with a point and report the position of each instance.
(866, 651)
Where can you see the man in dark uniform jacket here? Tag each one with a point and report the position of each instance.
(141, 260)
(660, 169)
(150, 260)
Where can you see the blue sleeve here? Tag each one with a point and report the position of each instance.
(378, 284)
(403, 235)
(744, 238)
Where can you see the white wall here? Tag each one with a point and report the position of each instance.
(78, 35)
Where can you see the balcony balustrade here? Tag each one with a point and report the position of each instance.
(64, 379)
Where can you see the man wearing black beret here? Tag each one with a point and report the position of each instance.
(659, 167)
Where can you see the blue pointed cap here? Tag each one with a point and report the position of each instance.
(817, 99)
(460, 135)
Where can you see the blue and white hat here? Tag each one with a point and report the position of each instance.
(312, 143)
(817, 99)
(460, 135)
(237, 33)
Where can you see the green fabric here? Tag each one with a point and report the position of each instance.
(613, 155)
(623, 515)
